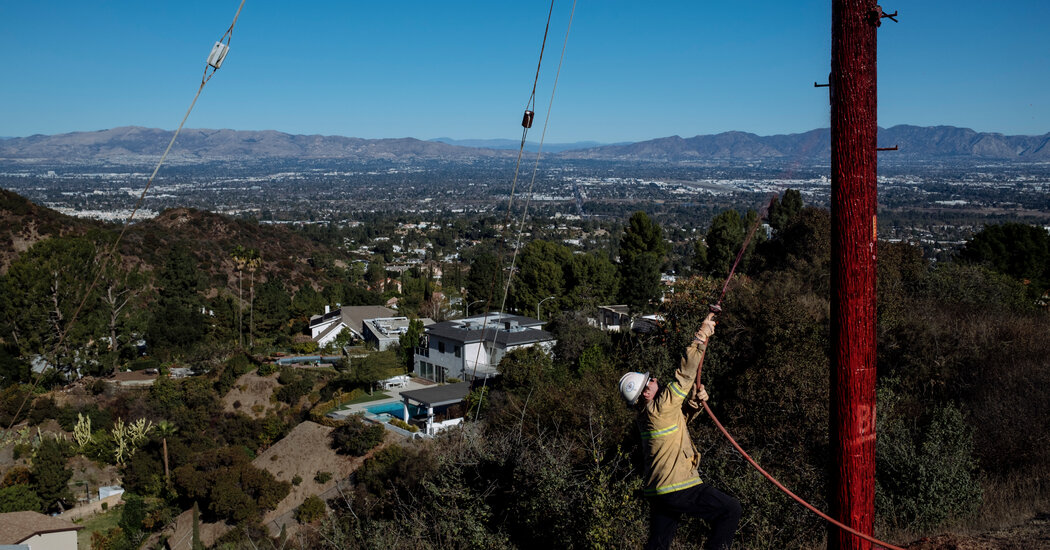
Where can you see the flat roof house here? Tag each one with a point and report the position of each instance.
(470, 348)
(324, 328)
(384, 332)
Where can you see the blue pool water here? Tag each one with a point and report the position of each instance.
(393, 409)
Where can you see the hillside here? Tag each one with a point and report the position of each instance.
(212, 238)
(23, 223)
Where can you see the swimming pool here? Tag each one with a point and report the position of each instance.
(308, 359)
(395, 409)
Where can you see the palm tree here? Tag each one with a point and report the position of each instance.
(166, 429)
(240, 258)
(254, 261)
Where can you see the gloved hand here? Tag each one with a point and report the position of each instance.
(698, 397)
(706, 330)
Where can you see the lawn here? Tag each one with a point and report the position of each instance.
(376, 396)
(97, 523)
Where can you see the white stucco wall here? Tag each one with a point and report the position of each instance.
(63, 540)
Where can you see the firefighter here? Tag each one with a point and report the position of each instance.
(672, 482)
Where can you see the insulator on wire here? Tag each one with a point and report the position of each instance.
(526, 120)
(218, 53)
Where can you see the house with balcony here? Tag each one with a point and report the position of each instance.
(470, 348)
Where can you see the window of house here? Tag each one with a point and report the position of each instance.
(457, 351)
(441, 347)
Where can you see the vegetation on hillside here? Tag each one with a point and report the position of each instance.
(964, 384)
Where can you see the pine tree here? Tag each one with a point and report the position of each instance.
(642, 255)
(50, 475)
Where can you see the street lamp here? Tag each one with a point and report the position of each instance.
(472, 303)
(540, 303)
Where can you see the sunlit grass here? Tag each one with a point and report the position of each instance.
(97, 523)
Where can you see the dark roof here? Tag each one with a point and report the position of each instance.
(524, 333)
(16, 527)
(438, 395)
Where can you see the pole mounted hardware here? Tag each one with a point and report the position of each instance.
(878, 15)
(815, 85)
(894, 148)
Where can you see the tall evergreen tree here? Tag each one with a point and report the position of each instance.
(50, 476)
(178, 320)
(484, 272)
(784, 209)
(642, 251)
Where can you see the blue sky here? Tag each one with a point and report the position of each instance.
(464, 69)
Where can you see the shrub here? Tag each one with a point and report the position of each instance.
(403, 425)
(355, 437)
(311, 510)
(925, 474)
(305, 347)
(18, 498)
(143, 364)
(227, 486)
(297, 480)
(266, 369)
(323, 477)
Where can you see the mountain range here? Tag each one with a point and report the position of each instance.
(133, 144)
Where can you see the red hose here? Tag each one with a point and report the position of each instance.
(789, 493)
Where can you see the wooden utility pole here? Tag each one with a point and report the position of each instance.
(853, 247)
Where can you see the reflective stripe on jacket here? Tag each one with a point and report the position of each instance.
(670, 457)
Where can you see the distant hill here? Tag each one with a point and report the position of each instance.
(132, 144)
(915, 142)
(513, 145)
(137, 145)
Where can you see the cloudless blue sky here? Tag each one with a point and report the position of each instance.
(463, 69)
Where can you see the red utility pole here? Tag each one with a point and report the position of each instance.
(853, 169)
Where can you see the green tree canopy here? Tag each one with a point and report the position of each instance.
(272, 307)
(43, 290)
(178, 320)
(715, 256)
(642, 250)
(484, 272)
(1019, 250)
(50, 475)
(18, 498)
(784, 209)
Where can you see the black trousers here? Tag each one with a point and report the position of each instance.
(719, 509)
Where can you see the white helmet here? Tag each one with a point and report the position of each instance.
(631, 386)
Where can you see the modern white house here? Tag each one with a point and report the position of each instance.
(470, 348)
(324, 328)
(38, 532)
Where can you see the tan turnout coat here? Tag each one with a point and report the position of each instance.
(670, 457)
